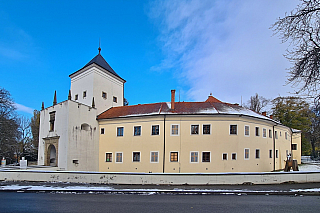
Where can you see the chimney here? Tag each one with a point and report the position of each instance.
(264, 113)
(173, 94)
(271, 116)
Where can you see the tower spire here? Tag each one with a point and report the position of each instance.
(69, 96)
(99, 47)
(93, 104)
(42, 107)
(55, 98)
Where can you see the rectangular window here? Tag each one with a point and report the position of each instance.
(155, 130)
(224, 156)
(102, 131)
(276, 134)
(205, 156)
(270, 153)
(257, 153)
(246, 153)
(136, 156)
(119, 131)
(277, 153)
(233, 129)
(104, 95)
(264, 133)
(76, 97)
(246, 130)
(115, 99)
(52, 119)
(137, 130)
(173, 156)
(234, 156)
(257, 131)
(194, 129)
(154, 157)
(174, 129)
(270, 133)
(206, 129)
(194, 157)
(108, 157)
(119, 157)
(286, 135)
(84, 94)
(294, 146)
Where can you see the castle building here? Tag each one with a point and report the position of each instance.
(94, 131)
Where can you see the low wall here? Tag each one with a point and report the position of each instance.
(159, 179)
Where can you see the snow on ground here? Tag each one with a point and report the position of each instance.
(310, 167)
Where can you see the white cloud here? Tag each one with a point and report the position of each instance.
(23, 108)
(224, 47)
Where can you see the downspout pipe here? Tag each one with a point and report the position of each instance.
(164, 143)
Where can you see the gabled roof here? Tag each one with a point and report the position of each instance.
(212, 107)
(100, 61)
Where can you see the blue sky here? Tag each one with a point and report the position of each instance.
(197, 47)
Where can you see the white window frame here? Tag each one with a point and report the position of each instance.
(256, 154)
(105, 157)
(264, 130)
(234, 153)
(277, 153)
(170, 157)
(140, 130)
(139, 158)
(202, 157)
(245, 154)
(255, 131)
(230, 129)
(122, 131)
(225, 154)
(171, 130)
(270, 152)
(116, 157)
(151, 129)
(197, 156)
(209, 130)
(104, 132)
(270, 135)
(199, 126)
(104, 93)
(245, 131)
(151, 157)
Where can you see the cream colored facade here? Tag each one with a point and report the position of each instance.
(226, 152)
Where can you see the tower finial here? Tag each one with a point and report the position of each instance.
(93, 104)
(55, 98)
(99, 46)
(42, 107)
(69, 96)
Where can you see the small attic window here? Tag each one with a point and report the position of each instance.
(85, 126)
(115, 99)
(104, 95)
(76, 97)
(84, 94)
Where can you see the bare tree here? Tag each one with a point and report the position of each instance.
(301, 29)
(257, 103)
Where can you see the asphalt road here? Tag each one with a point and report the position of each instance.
(54, 202)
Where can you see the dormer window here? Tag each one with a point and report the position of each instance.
(84, 94)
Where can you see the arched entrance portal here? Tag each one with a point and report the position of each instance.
(52, 153)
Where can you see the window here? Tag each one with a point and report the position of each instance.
(264, 133)
(270, 153)
(286, 135)
(205, 156)
(246, 130)
(108, 157)
(194, 129)
(194, 157)
(257, 153)
(233, 129)
(84, 94)
(234, 156)
(102, 131)
(206, 129)
(246, 153)
(52, 119)
(137, 130)
(224, 156)
(276, 134)
(280, 133)
(119, 157)
(174, 129)
(257, 131)
(76, 97)
(173, 156)
(277, 153)
(115, 99)
(294, 146)
(104, 95)
(154, 157)
(136, 156)
(270, 133)
(155, 130)
(119, 131)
